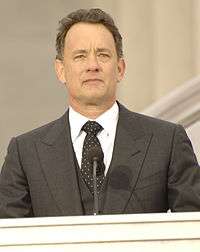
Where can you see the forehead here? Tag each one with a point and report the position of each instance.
(84, 35)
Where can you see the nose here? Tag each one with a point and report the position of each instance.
(93, 64)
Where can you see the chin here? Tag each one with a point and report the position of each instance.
(94, 100)
(100, 101)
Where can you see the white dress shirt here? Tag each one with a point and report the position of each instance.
(108, 120)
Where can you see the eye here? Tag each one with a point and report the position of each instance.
(79, 56)
(103, 56)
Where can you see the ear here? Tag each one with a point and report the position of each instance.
(59, 68)
(121, 69)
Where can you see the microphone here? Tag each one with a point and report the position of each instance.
(95, 155)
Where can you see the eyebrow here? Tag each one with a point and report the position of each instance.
(85, 51)
(79, 51)
(103, 50)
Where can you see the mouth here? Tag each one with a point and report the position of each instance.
(92, 81)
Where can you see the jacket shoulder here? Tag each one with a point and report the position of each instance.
(146, 122)
(154, 123)
(43, 130)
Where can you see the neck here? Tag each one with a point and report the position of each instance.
(91, 111)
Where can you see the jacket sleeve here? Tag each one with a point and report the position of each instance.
(15, 198)
(183, 175)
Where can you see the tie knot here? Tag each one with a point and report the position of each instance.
(92, 127)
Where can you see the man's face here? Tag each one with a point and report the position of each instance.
(90, 68)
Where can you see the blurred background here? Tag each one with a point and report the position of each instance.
(161, 47)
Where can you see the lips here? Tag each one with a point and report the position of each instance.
(92, 80)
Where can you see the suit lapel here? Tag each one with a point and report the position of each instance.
(131, 144)
(57, 161)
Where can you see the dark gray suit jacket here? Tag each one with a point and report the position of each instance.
(153, 169)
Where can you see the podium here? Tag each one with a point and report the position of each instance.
(134, 232)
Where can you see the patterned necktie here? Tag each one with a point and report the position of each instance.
(91, 141)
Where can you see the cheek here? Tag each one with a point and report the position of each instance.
(70, 73)
(113, 74)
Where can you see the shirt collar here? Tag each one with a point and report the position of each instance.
(107, 120)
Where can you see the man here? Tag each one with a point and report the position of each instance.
(147, 165)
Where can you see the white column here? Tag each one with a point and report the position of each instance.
(174, 48)
(136, 18)
(196, 9)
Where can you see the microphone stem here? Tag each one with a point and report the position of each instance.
(96, 203)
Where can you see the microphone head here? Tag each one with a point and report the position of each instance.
(96, 154)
